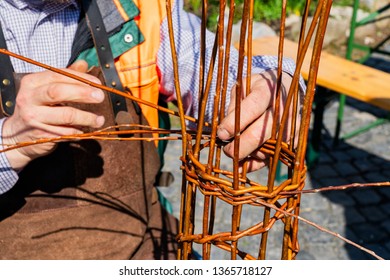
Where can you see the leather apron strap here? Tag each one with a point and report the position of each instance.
(104, 53)
(7, 85)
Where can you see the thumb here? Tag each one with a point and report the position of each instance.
(80, 66)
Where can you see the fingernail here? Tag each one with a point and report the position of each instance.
(98, 95)
(223, 134)
(100, 121)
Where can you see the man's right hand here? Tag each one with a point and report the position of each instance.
(39, 112)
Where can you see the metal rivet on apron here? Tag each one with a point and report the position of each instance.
(9, 104)
(113, 83)
(6, 82)
(128, 38)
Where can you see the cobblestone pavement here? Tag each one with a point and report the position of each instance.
(361, 215)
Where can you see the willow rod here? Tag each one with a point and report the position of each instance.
(372, 253)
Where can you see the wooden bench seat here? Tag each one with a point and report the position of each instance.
(336, 73)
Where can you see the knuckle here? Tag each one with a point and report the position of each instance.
(21, 100)
(229, 127)
(69, 116)
(255, 136)
(28, 117)
(52, 92)
(51, 76)
(27, 80)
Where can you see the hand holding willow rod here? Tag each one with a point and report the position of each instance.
(257, 117)
(39, 112)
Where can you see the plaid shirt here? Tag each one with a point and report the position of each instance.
(30, 32)
(45, 32)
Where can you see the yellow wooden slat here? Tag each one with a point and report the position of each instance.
(336, 73)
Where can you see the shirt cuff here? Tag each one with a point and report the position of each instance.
(8, 176)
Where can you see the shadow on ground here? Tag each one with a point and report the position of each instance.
(366, 210)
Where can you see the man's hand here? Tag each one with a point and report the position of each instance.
(256, 118)
(39, 112)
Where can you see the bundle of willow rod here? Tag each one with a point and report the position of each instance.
(233, 187)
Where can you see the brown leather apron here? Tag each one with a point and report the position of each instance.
(88, 200)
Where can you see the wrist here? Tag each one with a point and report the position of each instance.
(16, 158)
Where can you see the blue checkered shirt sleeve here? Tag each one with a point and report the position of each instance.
(8, 176)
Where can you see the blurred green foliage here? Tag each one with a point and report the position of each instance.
(267, 11)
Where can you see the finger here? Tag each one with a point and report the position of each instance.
(233, 95)
(68, 116)
(253, 137)
(47, 77)
(56, 93)
(232, 103)
(255, 164)
(79, 66)
(259, 155)
(253, 106)
(44, 131)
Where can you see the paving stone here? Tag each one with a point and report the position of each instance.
(385, 191)
(350, 234)
(340, 197)
(341, 146)
(386, 208)
(326, 144)
(373, 213)
(363, 138)
(323, 171)
(356, 179)
(364, 165)
(312, 203)
(356, 153)
(340, 155)
(381, 162)
(311, 183)
(387, 244)
(345, 168)
(386, 174)
(352, 216)
(380, 250)
(386, 224)
(366, 197)
(333, 181)
(325, 159)
(369, 233)
(385, 165)
(355, 253)
(323, 251)
(304, 255)
(374, 176)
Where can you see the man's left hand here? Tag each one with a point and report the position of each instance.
(256, 118)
